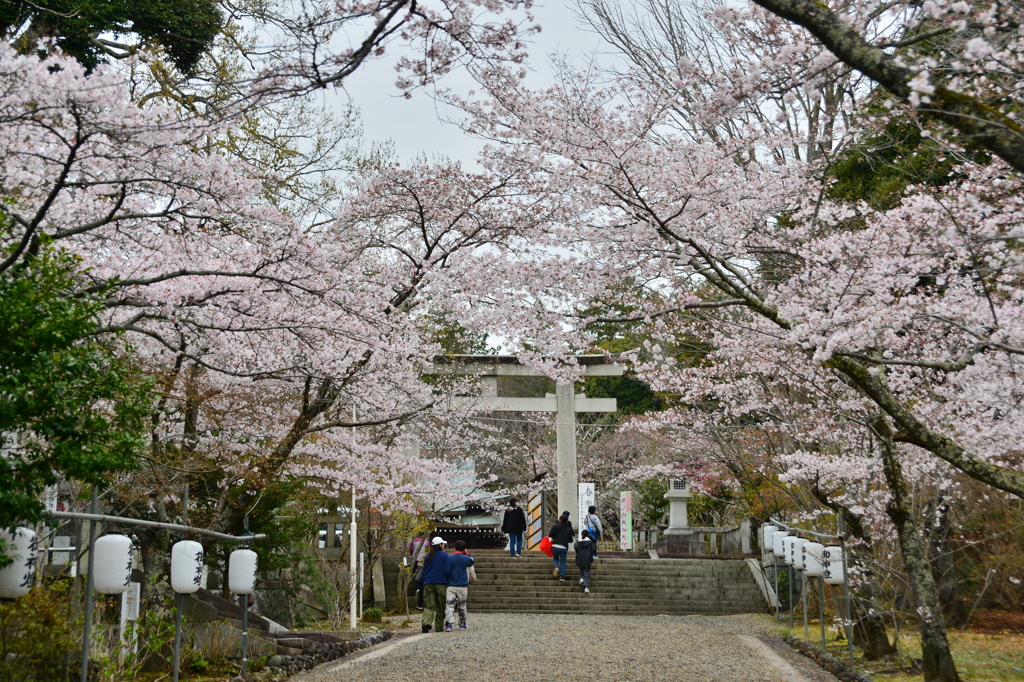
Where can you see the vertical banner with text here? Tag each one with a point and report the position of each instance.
(587, 498)
(626, 519)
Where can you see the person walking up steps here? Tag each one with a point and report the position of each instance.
(459, 566)
(434, 585)
(561, 535)
(592, 523)
(584, 558)
(514, 524)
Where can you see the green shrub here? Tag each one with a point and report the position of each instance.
(373, 615)
(38, 636)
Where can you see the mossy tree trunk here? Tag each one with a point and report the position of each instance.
(937, 659)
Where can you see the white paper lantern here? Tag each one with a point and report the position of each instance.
(777, 540)
(766, 536)
(17, 578)
(832, 565)
(798, 553)
(112, 567)
(186, 566)
(787, 549)
(812, 552)
(242, 571)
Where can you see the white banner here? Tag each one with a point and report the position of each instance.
(626, 520)
(587, 498)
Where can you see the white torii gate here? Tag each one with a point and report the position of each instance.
(565, 403)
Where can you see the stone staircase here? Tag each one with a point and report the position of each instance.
(622, 583)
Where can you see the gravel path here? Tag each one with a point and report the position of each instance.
(506, 647)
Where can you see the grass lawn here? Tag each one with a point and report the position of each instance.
(990, 649)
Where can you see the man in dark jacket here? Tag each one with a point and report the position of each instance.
(515, 525)
(584, 558)
(561, 535)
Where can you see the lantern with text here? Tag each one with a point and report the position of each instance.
(186, 566)
(112, 570)
(766, 537)
(777, 539)
(812, 552)
(797, 553)
(17, 578)
(242, 571)
(832, 566)
(787, 549)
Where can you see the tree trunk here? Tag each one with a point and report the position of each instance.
(937, 663)
(940, 558)
(869, 631)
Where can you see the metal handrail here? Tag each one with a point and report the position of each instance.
(104, 518)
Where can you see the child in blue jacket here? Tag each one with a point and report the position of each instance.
(459, 566)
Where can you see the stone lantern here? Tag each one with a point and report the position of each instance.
(678, 495)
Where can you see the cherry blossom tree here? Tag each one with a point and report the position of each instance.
(904, 315)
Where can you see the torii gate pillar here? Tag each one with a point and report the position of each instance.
(565, 433)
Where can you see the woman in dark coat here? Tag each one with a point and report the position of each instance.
(561, 535)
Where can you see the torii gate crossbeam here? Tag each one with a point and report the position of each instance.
(565, 404)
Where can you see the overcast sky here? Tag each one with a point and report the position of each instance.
(413, 125)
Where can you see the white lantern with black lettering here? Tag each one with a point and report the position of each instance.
(112, 564)
(766, 536)
(186, 566)
(17, 578)
(787, 549)
(832, 565)
(798, 553)
(777, 539)
(812, 552)
(242, 571)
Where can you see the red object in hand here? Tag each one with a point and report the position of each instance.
(545, 546)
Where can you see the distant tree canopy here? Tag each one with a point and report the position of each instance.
(94, 30)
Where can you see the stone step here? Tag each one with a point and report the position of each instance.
(632, 584)
(631, 570)
(607, 596)
(629, 586)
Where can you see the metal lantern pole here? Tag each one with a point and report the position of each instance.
(775, 581)
(821, 609)
(789, 575)
(362, 577)
(848, 625)
(803, 593)
(88, 588)
(180, 598)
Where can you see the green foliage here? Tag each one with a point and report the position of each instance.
(373, 615)
(185, 29)
(453, 338)
(71, 406)
(286, 533)
(37, 634)
(883, 164)
(706, 510)
(632, 395)
(650, 504)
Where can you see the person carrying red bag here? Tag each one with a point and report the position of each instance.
(562, 536)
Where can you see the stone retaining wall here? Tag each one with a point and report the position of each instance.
(282, 667)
